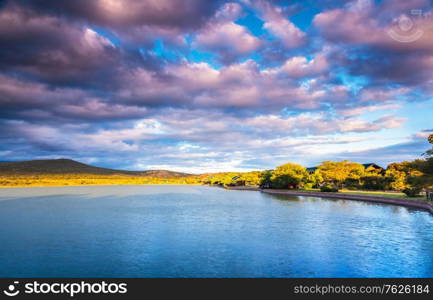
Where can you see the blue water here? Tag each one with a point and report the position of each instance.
(195, 231)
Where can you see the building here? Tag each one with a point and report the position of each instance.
(312, 170)
(375, 167)
(371, 166)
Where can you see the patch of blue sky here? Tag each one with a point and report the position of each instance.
(189, 147)
(163, 141)
(107, 34)
(303, 19)
(423, 112)
(168, 53)
(363, 141)
(352, 83)
(252, 22)
(195, 55)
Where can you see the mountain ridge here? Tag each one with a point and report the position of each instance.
(69, 166)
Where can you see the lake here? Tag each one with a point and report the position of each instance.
(199, 231)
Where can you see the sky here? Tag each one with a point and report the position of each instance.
(207, 86)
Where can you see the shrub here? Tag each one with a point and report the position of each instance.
(352, 183)
(328, 189)
(307, 186)
(412, 192)
(375, 182)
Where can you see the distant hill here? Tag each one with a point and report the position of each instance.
(69, 166)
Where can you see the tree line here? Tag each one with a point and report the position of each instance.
(411, 177)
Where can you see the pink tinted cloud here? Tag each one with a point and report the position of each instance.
(373, 25)
(94, 108)
(131, 13)
(321, 124)
(237, 86)
(350, 112)
(278, 24)
(387, 42)
(224, 37)
(300, 66)
(26, 99)
(382, 95)
(50, 47)
(17, 92)
(134, 22)
(228, 36)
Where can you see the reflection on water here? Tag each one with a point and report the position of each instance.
(195, 231)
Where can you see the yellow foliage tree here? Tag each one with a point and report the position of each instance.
(337, 172)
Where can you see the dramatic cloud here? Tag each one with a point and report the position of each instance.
(131, 13)
(131, 19)
(277, 23)
(215, 85)
(228, 39)
(389, 43)
(299, 66)
(49, 47)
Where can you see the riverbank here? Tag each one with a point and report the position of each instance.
(419, 204)
(31, 180)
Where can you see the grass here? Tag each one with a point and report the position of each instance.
(85, 179)
(384, 194)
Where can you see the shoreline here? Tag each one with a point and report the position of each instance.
(96, 184)
(417, 204)
(382, 200)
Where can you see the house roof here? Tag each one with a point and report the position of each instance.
(312, 169)
(372, 165)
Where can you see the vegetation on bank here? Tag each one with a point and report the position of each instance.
(27, 180)
(381, 194)
(409, 177)
(349, 177)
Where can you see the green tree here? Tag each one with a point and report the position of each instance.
(402, 174)
(313, 180)
(429, 153)
(424, 166)
(289, 176)
(375, 182)
(265, 179)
